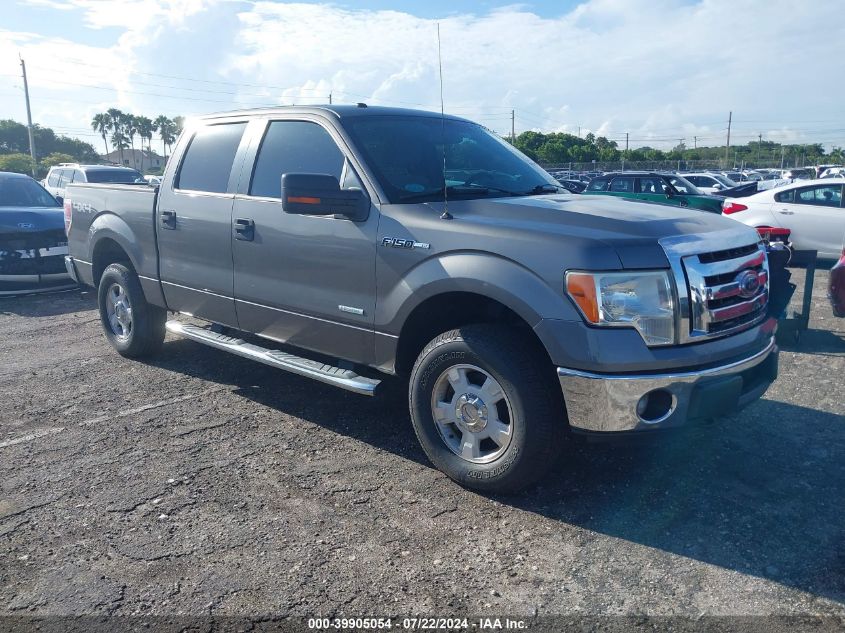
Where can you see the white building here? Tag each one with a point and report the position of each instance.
(135, 158)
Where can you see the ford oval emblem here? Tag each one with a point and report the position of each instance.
(748, 282)
(25, 225)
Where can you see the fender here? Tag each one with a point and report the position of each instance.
(499, 278)
(107, 225)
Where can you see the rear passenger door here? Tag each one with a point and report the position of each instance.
(304, 280)
(815, 216)
(193, 224)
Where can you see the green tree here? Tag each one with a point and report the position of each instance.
(56, 158)
(18, 163)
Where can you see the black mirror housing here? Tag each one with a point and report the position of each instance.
(320, 194)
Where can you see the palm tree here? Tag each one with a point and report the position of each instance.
(164, 127)
(130, 128)
(145, 131)
(119, 141)
(100, 123)
(116, 119)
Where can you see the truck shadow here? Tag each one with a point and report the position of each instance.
(759, 493)
(47, 304)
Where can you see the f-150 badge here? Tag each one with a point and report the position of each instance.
(396, 242)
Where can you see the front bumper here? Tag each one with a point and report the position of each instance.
(637, 402)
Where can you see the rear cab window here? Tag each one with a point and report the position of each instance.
(207, 163)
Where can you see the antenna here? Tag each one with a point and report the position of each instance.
(445, 215)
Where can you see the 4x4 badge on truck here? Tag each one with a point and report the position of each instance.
(396, 242)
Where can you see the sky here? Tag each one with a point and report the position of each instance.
(658, 70)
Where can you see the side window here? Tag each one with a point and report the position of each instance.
(825, 196)
(294, 147)
(78, 176)
(622, 185)
(785, 196)
(597, 184)
(64, 177)
(53, 178)
(650, 184)
(208, 161)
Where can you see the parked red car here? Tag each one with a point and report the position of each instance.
(837, 286)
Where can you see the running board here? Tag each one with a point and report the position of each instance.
(343, 378)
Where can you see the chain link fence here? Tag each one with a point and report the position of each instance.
(652, 165)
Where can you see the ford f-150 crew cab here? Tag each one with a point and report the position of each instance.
(343, 243)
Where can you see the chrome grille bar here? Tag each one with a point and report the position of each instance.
(718, 295)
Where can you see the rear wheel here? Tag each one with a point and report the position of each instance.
(133, 327)
(485, 409)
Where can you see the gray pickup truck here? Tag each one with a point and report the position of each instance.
(344, 243)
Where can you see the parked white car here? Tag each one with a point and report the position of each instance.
(833, 172)
(811, 210)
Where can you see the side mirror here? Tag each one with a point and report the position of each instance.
(320, 194)
(717, 187)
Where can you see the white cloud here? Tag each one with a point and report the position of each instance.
(660, 69)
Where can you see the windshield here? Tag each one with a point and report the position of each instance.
(724, 180)
(684, 186)
(113, 175)
(406, 155)
(24, 192)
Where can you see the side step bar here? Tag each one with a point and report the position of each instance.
(343, 378)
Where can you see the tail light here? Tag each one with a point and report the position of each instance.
(732, 207)
(68, 215)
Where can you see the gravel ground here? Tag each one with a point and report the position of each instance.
(200, 483)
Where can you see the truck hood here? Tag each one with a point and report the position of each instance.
(31, 219)
(632, 228)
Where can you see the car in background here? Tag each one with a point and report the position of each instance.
(811, 210)
(804, 173)
(833, 172)
(672, 189)
(65, 173)
(710, 182)
(155, 181)
(33, 243)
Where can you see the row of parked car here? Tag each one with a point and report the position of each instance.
(812, 210)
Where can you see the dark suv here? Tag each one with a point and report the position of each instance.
(670, 189)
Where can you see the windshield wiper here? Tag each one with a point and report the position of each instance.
(458, 190)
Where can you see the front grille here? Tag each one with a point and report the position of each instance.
(728, 290)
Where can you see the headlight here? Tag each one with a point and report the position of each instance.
(640, 300)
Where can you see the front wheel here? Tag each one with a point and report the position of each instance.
(485, 408)
(134, 327)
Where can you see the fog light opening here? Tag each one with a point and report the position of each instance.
(655, 406)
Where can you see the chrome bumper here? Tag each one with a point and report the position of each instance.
(630, 402)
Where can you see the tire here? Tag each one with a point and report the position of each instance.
(133, 327)
(497, 436)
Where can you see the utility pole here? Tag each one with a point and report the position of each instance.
(28, 117)
(626, 143)
(513, 127)
(728, 144)
(782, 149)
(759, 147)
(579, 131)
(695, 142)
(330, 98)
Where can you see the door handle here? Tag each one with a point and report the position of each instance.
(786, 212)
(168, 219)
(245, 229)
